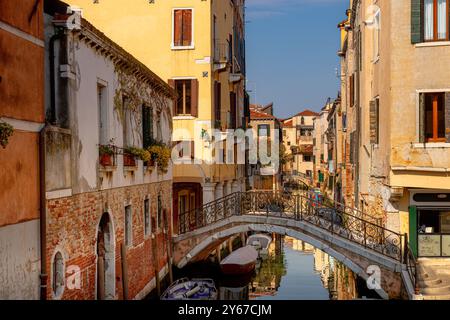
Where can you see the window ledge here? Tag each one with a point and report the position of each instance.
(130, 169)
(107, 168)
(184, 118)
(433, 44)
(436, 145)
(174, 47)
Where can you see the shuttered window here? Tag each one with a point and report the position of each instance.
(233, 111)
(182, 25)
(429, 20)
(375, 121)
(147, 126)
(434, 113)
(186, 101)
(217, 101)
(352, 90)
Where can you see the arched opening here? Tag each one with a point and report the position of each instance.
(58, 272)
(105, 260)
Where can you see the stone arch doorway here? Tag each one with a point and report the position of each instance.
(105, 260)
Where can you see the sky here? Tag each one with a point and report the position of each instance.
(291, 52)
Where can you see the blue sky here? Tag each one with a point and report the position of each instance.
(292, 52)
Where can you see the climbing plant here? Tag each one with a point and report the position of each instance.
(6, 131)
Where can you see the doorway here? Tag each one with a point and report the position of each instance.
(105, 260)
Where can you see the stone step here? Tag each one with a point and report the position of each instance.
(436, 297)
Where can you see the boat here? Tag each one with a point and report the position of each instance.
(261, 243)
(195, 289)
(241, 261)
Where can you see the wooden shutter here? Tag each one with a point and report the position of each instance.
(146, 126)
(422, 118)
(352, 90)
(374, 121)
(233, 110)
(217, 100)
(192, 149)
(194, 97)
(447, 116)
(175, 99)
(187, 27)
(413, 229)
(416, 21)
(178, 28)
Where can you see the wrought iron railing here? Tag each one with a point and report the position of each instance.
(411, 265)
(299, 207)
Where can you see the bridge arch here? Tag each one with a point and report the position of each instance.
(213, 240)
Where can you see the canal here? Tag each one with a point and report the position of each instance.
(294, 270)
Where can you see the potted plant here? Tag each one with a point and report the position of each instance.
(106, 155)
(161, 154)
(6, 131)
(129, 156)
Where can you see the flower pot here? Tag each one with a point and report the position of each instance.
(106, 160)
(150, 163)
(129, 160)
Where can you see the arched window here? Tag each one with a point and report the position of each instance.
(58, 274)
(302, 120)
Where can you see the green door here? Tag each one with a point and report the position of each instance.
(413, 229)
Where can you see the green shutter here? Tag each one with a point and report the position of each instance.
(416, 21)
(413, 229)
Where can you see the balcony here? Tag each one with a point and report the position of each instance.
(222, 55)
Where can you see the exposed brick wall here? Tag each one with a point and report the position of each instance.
(72, 226)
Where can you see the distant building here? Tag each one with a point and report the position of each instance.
(298, 140)
(266, 129)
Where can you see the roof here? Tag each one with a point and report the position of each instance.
(259, 115)
(288, 123)
(307, 113)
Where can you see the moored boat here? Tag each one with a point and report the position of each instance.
(261, 243)
(241, 261)
(195, 289)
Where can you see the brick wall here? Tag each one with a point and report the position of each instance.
(72, 228)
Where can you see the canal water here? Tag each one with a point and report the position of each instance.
(294, 270)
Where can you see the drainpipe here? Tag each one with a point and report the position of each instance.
(43, 215)
(57, 36)
(42, 186)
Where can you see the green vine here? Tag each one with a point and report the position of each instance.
(6, 131)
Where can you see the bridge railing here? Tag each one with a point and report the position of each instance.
(299, 207)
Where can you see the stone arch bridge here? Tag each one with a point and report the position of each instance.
(344, 233)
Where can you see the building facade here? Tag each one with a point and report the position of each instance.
(108, 189)
(397, 101)
(21, 120)
(198, 47)
(320, 143)
(298, 139)
(266, 170)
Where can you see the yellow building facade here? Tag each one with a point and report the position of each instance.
(198, 47)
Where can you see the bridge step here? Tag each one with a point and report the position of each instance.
(434, 279)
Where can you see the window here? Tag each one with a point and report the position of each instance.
(103, 114)
(263, 130)
(307, 159)
(58, 275)
(302, 120)
(147, 126)
(432, 113)
(352, 90)
(376, 36)
(147, 226)
(284, 133)
(182, 28)
(159, 212)
(217, 101)
(375, 121)
(128, 226)
(186, 103)
(127, 125)
(435, 20)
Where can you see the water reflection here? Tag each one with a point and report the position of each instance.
(294, 270)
